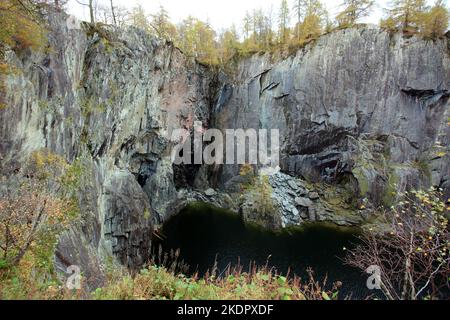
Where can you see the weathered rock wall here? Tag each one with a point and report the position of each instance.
(360, 109)
(111, 98)
(360, 113)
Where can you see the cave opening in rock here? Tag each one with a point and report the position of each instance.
(206, 235)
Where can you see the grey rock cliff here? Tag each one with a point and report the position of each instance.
(110, 98)
(360, 110)
(360, 113)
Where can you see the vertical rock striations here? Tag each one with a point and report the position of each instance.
(361, 113)
(359, 110)
(110, 97)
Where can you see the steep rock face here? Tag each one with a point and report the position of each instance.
(360, 110)
(110, 98)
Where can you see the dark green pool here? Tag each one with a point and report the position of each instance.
(204, 234)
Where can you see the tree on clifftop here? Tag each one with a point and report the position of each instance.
(161, 23)
(435, 21)
(353, 11)
(312, 25)
(283, 22)
(406, 15)
(90, 5)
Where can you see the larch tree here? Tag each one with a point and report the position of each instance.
(270, 34)
(283, 22)
(197, 39)
(228, 44)
(247, 25)
(162, 25)
(300, 10)
(186, 37)
(435, 21)
(406, 15)
(264, 29)
(353, 10)
(261, 32)
(139, 19)
(311, 26)
(206, 43)
(258, 25)
(248, 28)
(329, 23)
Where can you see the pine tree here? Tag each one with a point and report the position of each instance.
(353, 11)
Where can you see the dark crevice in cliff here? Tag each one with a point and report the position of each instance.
(428, 97)
(318, 143)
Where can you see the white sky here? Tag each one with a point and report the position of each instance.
(220, 13)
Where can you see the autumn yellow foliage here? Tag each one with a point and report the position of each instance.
(435, 21)
(19, 25)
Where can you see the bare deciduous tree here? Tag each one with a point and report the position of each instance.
(35, 203)
(90, 5)
(413, 255)
(24, 213)
(113, 13)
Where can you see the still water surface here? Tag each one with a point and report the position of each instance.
(205, 234)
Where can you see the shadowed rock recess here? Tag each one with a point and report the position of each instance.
(361, 114)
